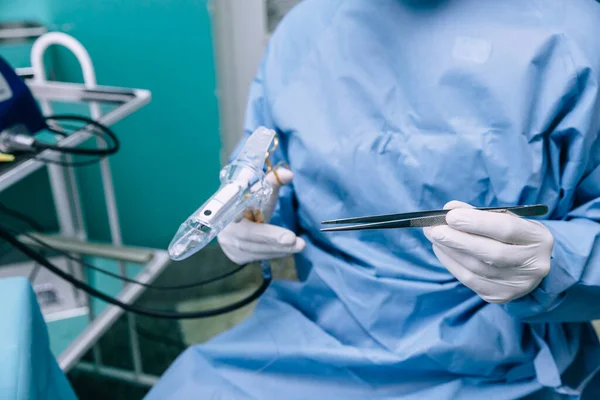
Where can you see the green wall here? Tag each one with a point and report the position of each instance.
(169, 161)
(24, 9)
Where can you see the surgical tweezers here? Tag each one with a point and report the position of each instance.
(421, 219)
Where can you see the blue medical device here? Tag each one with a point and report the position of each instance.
(18, 108)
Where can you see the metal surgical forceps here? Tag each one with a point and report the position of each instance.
(421, 219)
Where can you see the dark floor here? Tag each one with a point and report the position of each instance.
(161, 341)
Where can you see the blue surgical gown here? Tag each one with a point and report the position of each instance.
(387, 106)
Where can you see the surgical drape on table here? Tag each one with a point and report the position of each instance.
(28, 369)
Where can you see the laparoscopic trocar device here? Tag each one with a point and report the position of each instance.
(243, 187)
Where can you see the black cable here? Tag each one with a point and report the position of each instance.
(126, 279)
(65, 134)
(29, 221)
(77, 151)
(5, 252)
(103, 133)
(73, 127)
(21, 217)
(36, 226)
(35, 256)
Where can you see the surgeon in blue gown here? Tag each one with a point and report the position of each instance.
(386, 106)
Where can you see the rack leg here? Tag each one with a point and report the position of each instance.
(64, 210)
(67, 202)
(79, 222)
(115, 231)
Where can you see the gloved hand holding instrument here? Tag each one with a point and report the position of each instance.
(252, 238)
(245, 191)
(498, 255)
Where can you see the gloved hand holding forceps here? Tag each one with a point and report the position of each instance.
(491, 250)
(497, 255)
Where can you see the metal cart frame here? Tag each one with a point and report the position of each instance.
(68, 207)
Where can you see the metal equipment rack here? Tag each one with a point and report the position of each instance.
(107, 105)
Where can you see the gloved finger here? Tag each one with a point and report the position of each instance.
(261, 248)
(483, 248)
(483, 287)
(285, 176)
(241, 258)
(242, 252)
(456, 204)
(499, 226)
(496, 290)
(253, 232)
(474, 264)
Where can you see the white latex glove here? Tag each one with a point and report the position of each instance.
(246, 241)
(499, 256)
